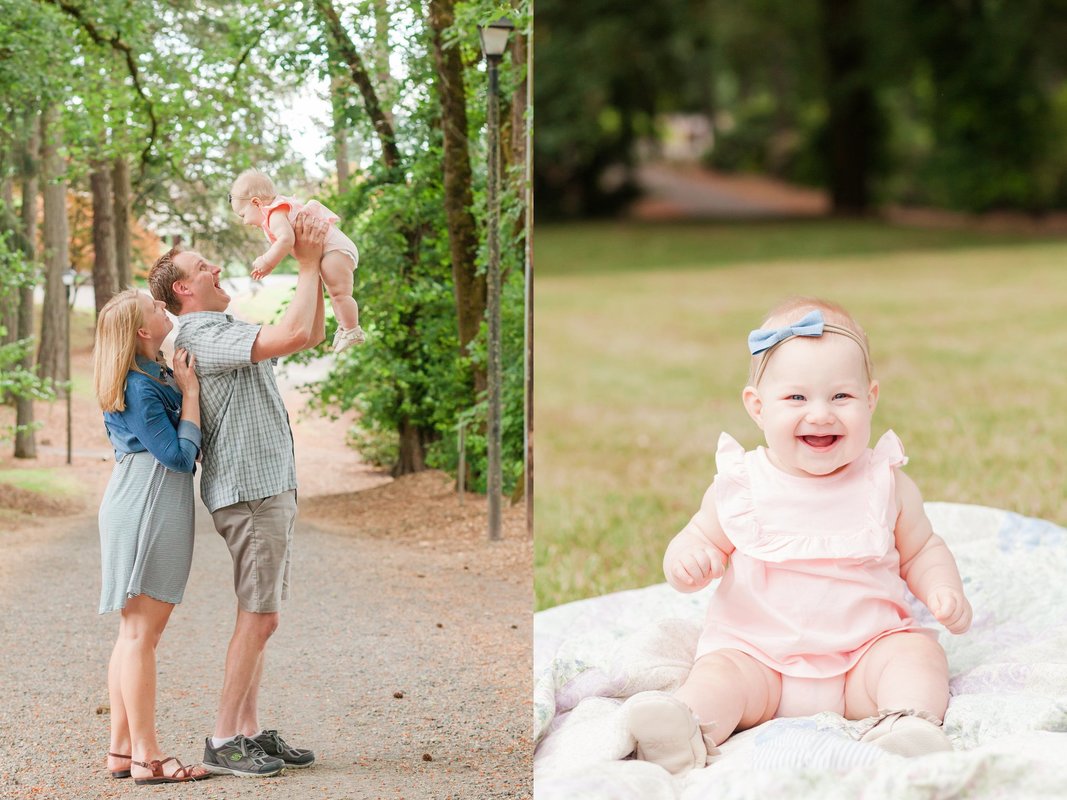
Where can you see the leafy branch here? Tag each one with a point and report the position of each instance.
(116, 43)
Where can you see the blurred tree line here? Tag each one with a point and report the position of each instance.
(960, 105)
(122, 124)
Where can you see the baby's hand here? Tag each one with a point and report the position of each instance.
(260, 269)
(697, 566)
(950, 608)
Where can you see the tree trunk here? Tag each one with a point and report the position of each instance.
(517, 150)
(104, 278)
(383, 127)
(120, 187)
(340, 134)
(852, 113)
(8, 305)
(412, 455)
(51, 357)
(25, 440)
(381, 59)
(469, 286)
(519, 140)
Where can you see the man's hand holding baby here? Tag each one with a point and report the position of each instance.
(310, 236)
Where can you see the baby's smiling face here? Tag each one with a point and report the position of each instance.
(814, 404)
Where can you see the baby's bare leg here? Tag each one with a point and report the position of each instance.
(336, 269)
(903, 680)
(900, 671)
(728, 691)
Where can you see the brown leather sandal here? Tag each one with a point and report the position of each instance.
(120, 773)
(181, 775)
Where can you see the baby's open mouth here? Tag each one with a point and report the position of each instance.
(820, 442)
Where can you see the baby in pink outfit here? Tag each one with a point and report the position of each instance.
(254, 198)
(815, 537)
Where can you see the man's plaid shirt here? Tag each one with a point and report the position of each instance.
(247, 441)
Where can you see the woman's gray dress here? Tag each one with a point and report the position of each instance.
(146, 532)
(146, 516)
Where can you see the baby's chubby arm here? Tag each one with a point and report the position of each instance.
(699, 552)
(925, 561)
(284, 239)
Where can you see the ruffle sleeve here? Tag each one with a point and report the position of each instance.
(889, 450)
(279, 203)
(733, 493)
(888, 454)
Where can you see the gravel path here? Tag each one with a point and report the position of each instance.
(690, 192)
(369, 618)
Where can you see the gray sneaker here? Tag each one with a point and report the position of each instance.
(243, 757)
(274, 745)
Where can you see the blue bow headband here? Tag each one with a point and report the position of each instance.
(764, 340)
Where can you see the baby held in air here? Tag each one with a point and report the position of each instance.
(816, 538)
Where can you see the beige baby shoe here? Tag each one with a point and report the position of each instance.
(346, 337)
(666, 732)
(908, 733)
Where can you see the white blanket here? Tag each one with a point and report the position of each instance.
(1007, 715)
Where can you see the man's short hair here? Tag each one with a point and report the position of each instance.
(161, 279)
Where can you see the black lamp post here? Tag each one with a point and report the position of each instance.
(494, 42)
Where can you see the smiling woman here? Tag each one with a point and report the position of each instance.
(152, 416)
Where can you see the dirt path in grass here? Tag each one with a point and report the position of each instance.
(676, 191)
(396, 592)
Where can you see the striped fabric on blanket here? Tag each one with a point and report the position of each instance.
(801, 744)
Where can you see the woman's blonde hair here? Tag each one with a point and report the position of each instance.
(792, 309)
(115, 350)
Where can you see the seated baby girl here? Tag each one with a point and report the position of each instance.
(816, 538)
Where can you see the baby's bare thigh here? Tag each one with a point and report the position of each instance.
(740, 680)
(908, 662)
(336, 268)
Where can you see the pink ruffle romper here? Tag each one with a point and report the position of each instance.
(815, 579)
(335, 237)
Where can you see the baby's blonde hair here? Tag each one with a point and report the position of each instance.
(792, 309)
(253, 183)
(115, 350)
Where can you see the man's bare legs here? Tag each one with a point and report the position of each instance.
(244, 671)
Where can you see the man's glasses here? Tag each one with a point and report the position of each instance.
(229, 200)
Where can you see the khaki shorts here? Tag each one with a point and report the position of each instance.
(259, 534)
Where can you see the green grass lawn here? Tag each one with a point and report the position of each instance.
(50, 482)
(640, 360)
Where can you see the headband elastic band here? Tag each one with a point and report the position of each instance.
(767, 340)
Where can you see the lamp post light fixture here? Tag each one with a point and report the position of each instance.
(494, 42)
